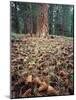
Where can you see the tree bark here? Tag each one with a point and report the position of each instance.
(28, 26)
(42, 23)
(15, 22)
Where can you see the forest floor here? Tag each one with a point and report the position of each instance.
(41, 66)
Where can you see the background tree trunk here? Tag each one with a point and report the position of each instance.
(42, 24)
(28, 21)
(14, 18)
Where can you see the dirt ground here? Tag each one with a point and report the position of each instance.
(42, 66)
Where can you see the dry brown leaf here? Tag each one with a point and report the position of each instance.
(66, 82)
(30, 66)
(62, 73)
(29, 79)
(51, 91)
(37, 80)
(43, 87)
(27, 93)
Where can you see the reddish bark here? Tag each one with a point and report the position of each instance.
(43, 20)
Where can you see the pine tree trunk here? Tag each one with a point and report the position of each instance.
(28, 26)
(16, 19)
(42, 23)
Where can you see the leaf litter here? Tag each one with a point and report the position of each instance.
(42, 66)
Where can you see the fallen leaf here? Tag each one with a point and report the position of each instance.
(43, 87)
